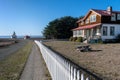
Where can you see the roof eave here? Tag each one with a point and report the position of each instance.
(96, 12)
(87, 15)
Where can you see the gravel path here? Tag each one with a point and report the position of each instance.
(35, 67)
(6, 51)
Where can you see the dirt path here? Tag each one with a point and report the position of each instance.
(35, 67)
(8, 50)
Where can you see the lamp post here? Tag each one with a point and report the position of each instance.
(98, 35)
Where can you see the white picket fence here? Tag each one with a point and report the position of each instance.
(61, 68)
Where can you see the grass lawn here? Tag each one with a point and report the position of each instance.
(104, 60)
(11, 67)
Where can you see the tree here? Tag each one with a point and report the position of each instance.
(60, 28)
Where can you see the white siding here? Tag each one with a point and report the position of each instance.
(74, 33)
(117, 31)
(118, 16)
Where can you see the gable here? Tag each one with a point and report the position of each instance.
(87, 19)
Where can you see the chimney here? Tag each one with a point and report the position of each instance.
(109, 9)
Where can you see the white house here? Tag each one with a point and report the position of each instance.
(104, 24)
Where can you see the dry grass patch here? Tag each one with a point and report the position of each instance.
(11, 67)
(104, 60)
(46, 71)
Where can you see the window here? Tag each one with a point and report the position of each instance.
(82, 22)
(87, 21)
(74, 32)
(77, 32)
(104, 30)
(113, 18)
(93, 18)
(118, 16)
(112, 31)
(80, 32)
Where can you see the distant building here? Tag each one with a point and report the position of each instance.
(13, 36)
(26, 37)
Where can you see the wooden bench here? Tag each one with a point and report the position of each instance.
(84, 48)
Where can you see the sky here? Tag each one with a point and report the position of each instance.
(30, 17)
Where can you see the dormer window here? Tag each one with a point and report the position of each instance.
(113, 17)
(93, 18)
(87, 21)
(118, 16)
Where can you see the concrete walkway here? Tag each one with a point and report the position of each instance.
(35, 68)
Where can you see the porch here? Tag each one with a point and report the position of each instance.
(93, 34)
(89, 32)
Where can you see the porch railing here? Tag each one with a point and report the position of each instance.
(61, 68)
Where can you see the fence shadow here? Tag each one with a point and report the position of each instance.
(95, 50)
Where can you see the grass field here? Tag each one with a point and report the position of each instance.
(11, 66)
(104, 60)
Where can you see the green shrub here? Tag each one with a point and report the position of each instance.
(118, 38)
(100, 41)
(79, 39)
(74, 38)
(71, 38)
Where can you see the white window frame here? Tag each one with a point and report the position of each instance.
(106, 31)
(118, 16)
(75, 33)
(93, 18)
(80, 32)
(112, 28)
(113, 17)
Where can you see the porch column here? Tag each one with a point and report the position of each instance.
(92, 33)
(98, 33)
(83, 33)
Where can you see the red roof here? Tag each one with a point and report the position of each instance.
(87, 27)
(116, 12)
(102, 12)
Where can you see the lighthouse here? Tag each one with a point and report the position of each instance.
(13, 36)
